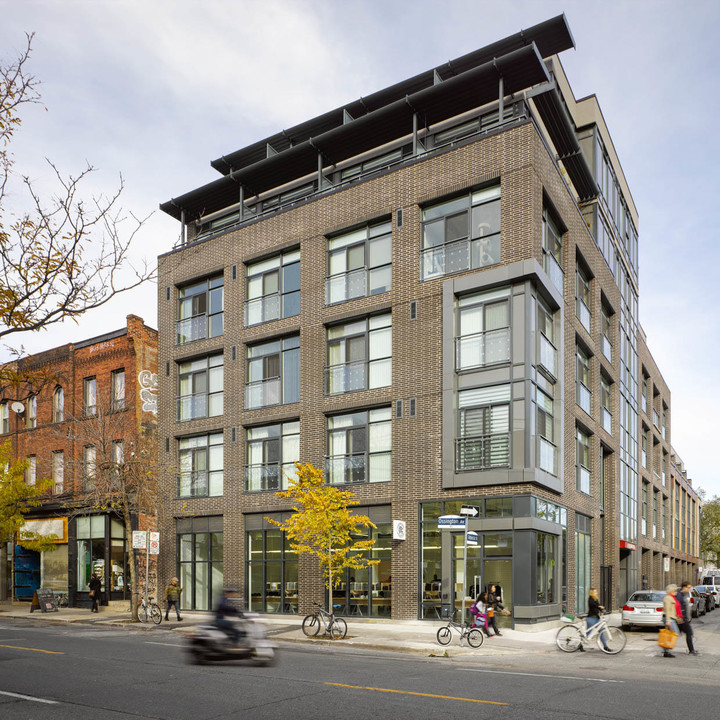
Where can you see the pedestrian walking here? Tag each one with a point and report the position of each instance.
(670, 613)
(494, 607)
(685, 625)
(95, 586)
(172, 597)
(482, 608)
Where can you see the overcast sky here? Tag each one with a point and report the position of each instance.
(156, 89)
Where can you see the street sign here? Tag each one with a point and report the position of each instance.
(666, 564)
(449, 522)
(472, 538)
(154, 543)
(471, 510)
(139, 539)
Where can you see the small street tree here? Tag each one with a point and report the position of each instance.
(323, 526)
(17, 498)
(119, 472)
(710, 530)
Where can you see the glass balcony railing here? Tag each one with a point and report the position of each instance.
(191, 484)
(459, 255)
(548, 355)
(482, 452)
(555, 272)
(262, 477)
(606, 348)
(484, 348)
(583, 314)
(346, 286)
(358, 468)
(607, 421)
(191, 329)
(584, 398)
(264, 309)
(359, 375)
(199, 405)
(263, 393)
(547, 460)
(583, 479)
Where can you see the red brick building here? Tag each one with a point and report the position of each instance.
(53, 425)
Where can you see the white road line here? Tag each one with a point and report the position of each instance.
(29, 697)
(540, 675)
(150, 642)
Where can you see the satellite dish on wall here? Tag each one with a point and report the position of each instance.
(17, 407)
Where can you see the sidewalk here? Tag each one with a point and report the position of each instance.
(416, 636)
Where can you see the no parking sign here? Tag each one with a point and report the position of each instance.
(154, 543)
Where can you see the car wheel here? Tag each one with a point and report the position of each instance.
(626, 626)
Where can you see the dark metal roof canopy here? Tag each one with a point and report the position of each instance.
(473, 88)
(550, 37)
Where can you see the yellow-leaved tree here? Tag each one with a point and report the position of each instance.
(16, 499)
(324, 526)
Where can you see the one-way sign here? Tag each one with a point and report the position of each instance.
(471, 510)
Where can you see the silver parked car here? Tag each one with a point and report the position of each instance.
(644, 607)
(711, 592)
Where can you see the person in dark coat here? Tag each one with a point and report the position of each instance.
(685, 626)
(593, 616)
(226, 610)
(494, 607)
(95, 586)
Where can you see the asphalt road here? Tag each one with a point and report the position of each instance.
(82, 672)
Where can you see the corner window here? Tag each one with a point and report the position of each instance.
(89, 397)
(359, 355)
(58, 405)
(200, 384)
(117, 389)
(360, 263)
(483, 440)
(582, 461)
(272, 451)
(273, 288)
(201, 465)
(359, 447)
(547, 352)
(200, 310)
(483, 322)
(461, 234)
(273, 373)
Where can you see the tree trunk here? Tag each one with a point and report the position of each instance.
(132, 563)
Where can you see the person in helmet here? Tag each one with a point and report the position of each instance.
(227, 611)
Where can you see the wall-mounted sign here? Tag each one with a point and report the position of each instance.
(46, 527)
(399, 530)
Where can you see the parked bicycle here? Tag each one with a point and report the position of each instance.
(573, 636)
(474, 637)
(335, 627)
(150, 609)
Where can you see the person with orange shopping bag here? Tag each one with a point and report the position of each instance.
(669, 634)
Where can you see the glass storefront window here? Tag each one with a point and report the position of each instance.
(545, 570)
(272, 575)
(200, 561)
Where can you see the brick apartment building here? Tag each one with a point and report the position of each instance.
(432, 293)
(57, 429)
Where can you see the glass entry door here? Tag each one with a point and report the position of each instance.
(474, 574)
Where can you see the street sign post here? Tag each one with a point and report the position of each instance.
(451, 522)
(471, 538)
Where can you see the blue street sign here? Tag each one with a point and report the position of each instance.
(472, 538)
(451, 522)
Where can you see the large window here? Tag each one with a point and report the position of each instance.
(583, 396)
(359, 355)
(607, 333)
(462, 233)
(200, 385)
(58, 472)
(201, 465)
(89, 397)
(93, 537)
(547, 450)
(359, 447)
(582, 297)
(4, 418)
(58, 405)
(273, 288)
(200, 561)
(272, 569)
(200, 310)
(546, 563)
(605, 401)
(582, 461)
(583, 561)
(273, 373)
(117, 389)
(552, 249)
(483, 322)
(360, 263)
(272, 451)
(31, 470)
(644, 515)
(483, 440)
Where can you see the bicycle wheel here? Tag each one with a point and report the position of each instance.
(311, 625)
(568, 638)
(475, 638)
(142, 612)
(444, 635)
(338, 629)
(614, 640)
(156, 613)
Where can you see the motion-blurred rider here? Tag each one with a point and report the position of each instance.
(226, 610)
